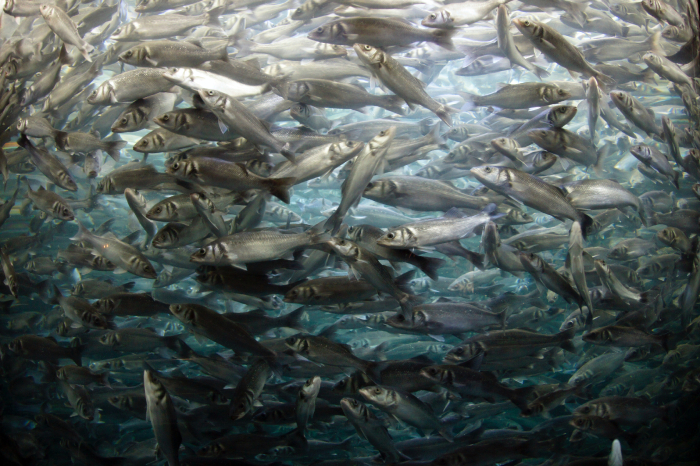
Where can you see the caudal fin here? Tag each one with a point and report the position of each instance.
(293, 319)
(540, 72)
(393, 103)
(113, 148)
(213, 16)
(430, 266)
(279, 187)
(443, 38)
(76, 350)
(288, 154)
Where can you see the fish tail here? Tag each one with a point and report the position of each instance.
(676, 179)
(279, 187)
(429, 266)
(104, 379)
(540, 72)
(577, 11)
(394, 103)
(587, 224)
(319, 233)
(443, 112)
(567, 336)
(334, 222)
(85, 51)
(213, 16)
(519, 397)
(60, 138)
(63, 56)
(82, 234)
(76, 351)
(470, 101)
(436, 136)
(293, 319)
(288, 154)
(615, 457)
(113, 148)
(222, 53)
(605, 81)
(443, 38)
(408, 302)
(403, 281)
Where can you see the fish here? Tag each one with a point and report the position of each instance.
(397, 231)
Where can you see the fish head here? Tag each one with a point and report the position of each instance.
(101, 95)
(518, 216)
(369, 55)
(331, 33)
(619, 252)
(184, 312)
(621, 99)
(215, 100)
(491, 176)
(179, 75)
(330, 50)
(344, 149)
(311, 386)
(560, 115)
(152, 142)
(380, 188)
(301, 294)
(295, 90)
(300, 110)
(490, 235)
(63, 211)
(379, 395)
(669, 235)
(85, 409)
(22, 125)
(212, 253)
(123, 32)
(397, 238)
(353, 409)
(66, 180)
(399, 320)
(381, 140)
(47, 10)
(134, 56)
(505, 144)
(527, 27)
(184, 169)
(599, 336)
(166, 237)
(582, 422)
(298, 343)
(438, 374)
(355, 233)
(125, 122)
(554, 94)
(15, 346)
(438, 19)
(110, 339)
(214, 450)
(344, 248)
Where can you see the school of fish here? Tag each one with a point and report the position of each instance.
(350, 232)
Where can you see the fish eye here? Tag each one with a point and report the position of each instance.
(202, 252)
(210, 93)
(165, 117)
(351, 229)
(319, 30)
(175, 166)
(562, 110)
(487, 169)
(383, 133)
(390, 235)
(377, 390)
(128, 53)
(368, 47)
(432, 16)
(400, 317)
(459, 351)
